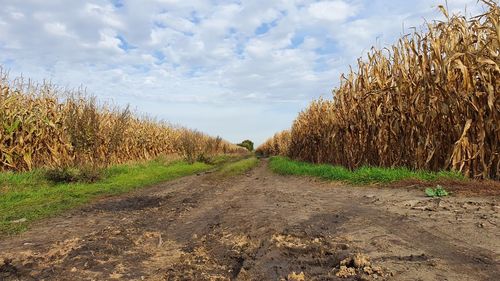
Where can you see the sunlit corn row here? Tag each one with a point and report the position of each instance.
(277, 145)
(431, 102)
(44, 126)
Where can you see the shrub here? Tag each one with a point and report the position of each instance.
(86, 174)
(248, 144)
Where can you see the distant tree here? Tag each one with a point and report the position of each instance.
(248, 144)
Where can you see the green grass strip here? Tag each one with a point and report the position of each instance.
(29, 196)
(363, 175)
(239, 167)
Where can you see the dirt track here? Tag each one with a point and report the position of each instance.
(261, 226)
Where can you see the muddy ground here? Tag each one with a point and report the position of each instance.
(261, 226)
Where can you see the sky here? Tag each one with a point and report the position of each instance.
(239, 69)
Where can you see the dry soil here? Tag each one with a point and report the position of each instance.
(261, 226)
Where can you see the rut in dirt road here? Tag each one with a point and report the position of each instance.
(261, 226)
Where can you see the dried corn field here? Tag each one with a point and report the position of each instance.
(431, 101)
(44, 126)
(277, 145)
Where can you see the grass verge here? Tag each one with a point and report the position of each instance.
(363, 175)
(27, 197)
(238, 167)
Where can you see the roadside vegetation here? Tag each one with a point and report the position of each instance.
(362, 175)
(239, 167)
(29, 196)
(429, 102)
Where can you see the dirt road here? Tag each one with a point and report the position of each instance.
(260, 226)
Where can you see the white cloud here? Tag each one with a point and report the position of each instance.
(16, 15)
(56, 28)
(105, 14)
(332, 10)
(109, 40)
(174, 22)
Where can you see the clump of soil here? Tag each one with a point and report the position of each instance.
(344, 272)
(296, 276)
(358, 264)
(8, 270)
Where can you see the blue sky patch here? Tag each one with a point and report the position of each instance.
(265, 27)
(117, 3)
(124, 44)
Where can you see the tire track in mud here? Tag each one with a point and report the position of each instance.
(258, 226)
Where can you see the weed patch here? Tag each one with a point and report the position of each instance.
(439, 191)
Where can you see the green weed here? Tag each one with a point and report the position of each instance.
(439, 191)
